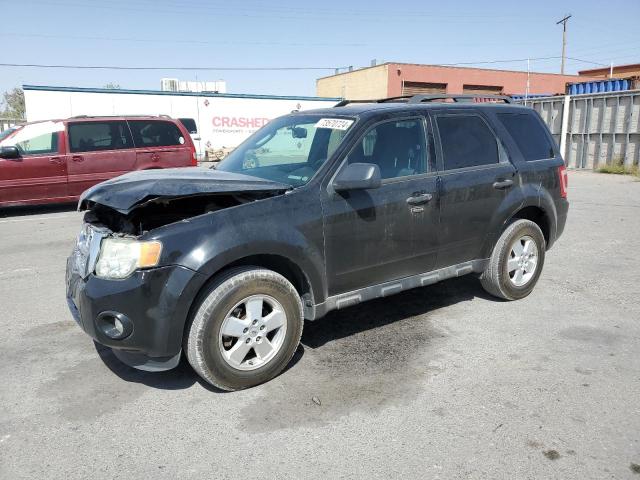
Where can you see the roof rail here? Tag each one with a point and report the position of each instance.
(342, 103)
(457, 98)
(379, 100)
(122, 116)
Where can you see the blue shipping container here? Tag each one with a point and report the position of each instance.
(599, 86)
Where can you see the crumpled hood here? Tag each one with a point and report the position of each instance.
(130, 190)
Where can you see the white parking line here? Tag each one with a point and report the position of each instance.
(41, 217)
(17, 270)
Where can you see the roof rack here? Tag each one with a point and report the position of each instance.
(121, 116)
(456, 98)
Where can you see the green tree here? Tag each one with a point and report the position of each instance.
(13, 104)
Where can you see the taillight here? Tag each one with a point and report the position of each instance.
(564, 181)
(194, 160)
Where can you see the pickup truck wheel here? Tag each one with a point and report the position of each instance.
(516, 261)
(245, 329)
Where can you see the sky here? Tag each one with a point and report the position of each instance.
(288, 34)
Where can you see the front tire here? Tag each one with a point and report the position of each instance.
(516, 261)
(245, 329)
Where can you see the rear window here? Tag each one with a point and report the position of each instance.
(97, 136)
(155, 133)
(529, 134)
(466, 142)
(189, 124)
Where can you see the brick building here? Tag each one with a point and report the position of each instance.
(393, 79)
(619, 71)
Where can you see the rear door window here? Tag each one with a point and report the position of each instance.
(529, 134)
(466, 141)
(155, 133)
(99, 136)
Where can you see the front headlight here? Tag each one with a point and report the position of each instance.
(120, 257)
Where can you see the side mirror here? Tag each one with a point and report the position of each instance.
(298, 132)
(9, 153)
(358, 176)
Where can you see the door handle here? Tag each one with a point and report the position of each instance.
(502, 184)
(56, 160)
(77, 158)
(419, 198)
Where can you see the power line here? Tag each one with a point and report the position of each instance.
(221, 13)
(117, 67)
(587, 61)
(514, 60)
(177, 41)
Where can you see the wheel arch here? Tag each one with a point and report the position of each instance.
(280, 264)
(537, 209)
(535, 214)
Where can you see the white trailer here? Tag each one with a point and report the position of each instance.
(223, 120)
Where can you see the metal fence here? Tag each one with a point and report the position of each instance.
(596, 129)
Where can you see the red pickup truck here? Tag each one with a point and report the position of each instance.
(56, 160)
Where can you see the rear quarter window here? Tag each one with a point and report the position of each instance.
(529, 134)
(155, 133)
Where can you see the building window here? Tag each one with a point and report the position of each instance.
(422, 88)
(482, 89)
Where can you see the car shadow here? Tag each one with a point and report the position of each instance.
(334, 326)
(384, 311)
(179, 378)
(27, 210)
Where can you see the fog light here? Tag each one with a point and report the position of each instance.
(114, 325)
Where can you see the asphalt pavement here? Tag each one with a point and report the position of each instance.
(440, 382)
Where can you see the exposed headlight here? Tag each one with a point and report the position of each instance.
(120, 257)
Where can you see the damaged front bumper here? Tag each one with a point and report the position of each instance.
(141, 317)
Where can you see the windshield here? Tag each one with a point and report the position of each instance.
(7, 132)
(35, 138)
(289, 149)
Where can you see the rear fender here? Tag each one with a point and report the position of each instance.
(522, 197)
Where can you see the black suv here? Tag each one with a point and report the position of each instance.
(317, 211)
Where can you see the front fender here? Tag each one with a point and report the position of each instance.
(289, 226)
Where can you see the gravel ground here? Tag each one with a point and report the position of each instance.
(440, 382)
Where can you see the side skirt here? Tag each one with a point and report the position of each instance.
(386, 289)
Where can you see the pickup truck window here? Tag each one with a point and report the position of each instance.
(466, 141)
(189, 124)
(289, 149)
(398, 147)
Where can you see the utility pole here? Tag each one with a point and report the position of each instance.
(564, 40)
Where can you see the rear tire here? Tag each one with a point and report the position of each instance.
(245, 329)
(516, 261)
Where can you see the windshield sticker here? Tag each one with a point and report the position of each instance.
(334, 123)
